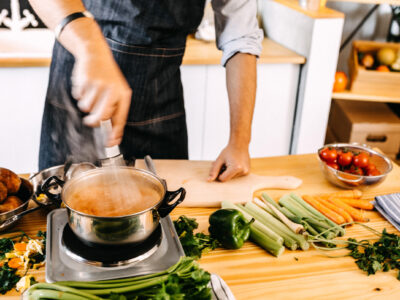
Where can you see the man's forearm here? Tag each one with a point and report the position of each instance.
(241, 80)
(81, 36)
(97, 81)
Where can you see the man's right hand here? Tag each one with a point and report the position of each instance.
(98, 83)
(102, 91)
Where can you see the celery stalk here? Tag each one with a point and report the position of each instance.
(257, 224)
(295, 227)
(277, 226)
(290, 215)
(266, 242)
(320, 224)
(287, 241)
(267, 198)
(338, 228)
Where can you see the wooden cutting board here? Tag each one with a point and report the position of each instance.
(192, 175)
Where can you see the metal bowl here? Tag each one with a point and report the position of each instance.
(25, 193)
(63, 173)
(40, 177)
(350, 181)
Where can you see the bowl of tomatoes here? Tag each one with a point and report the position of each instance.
(353, 165)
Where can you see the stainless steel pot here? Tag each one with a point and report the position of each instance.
(118, 230)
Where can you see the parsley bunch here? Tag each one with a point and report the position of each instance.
(193, 244)
(382, 255)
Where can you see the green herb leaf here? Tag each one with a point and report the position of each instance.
(382, 255)
(6, 245)
(197, 244)
(8, 279)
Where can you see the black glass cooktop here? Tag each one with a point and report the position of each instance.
(105, 255)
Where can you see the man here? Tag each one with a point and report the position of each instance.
(124, 64)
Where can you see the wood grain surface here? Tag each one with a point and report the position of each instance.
(349, 95)
(252, 273)
(192, 176)
(321, 13)
(206, 53)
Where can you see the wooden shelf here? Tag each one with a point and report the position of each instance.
(18, 62)
(206, 53)
(321, 13)
(391, 2)
(349, 95)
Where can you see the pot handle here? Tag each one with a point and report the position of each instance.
(49, 184)
(165, 207)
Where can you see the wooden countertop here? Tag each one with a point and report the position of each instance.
(206, 53)
(252, 273)
(197, 53)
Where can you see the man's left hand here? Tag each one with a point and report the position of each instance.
(233, 162)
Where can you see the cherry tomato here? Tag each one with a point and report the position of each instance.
(332, 155)
(373, 172)
(333, 165)
(355, 170)
(345, 158)
(370, 169)
(361, 160)
(324, 154)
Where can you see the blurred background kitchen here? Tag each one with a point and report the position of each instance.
(296, 73)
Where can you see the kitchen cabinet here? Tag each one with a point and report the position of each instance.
(207, 110)
(24, 76)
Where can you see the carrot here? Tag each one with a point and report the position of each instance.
(336, 209)
(355, 194)
(338, 219)
(356, 214)
(357, 203)
(15, 263)
(20, 246)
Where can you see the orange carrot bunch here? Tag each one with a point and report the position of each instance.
(341, 207)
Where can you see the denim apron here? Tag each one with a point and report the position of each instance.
(147, 38)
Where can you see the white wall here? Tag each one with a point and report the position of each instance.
(22, 94)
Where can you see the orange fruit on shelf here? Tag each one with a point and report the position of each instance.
(382, 68)
(340, 82)
(368, 60)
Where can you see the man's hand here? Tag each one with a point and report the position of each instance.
(233, 162)
(97, 82)
(241, 81)
(102, 91)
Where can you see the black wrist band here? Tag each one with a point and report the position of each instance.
(59, 28)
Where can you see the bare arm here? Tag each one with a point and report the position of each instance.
(98, 83)
(241, 80)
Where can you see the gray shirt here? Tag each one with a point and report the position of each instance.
(237, 28)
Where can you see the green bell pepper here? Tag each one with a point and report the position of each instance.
(229, 227)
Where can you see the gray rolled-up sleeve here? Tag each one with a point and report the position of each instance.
(237, 27)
